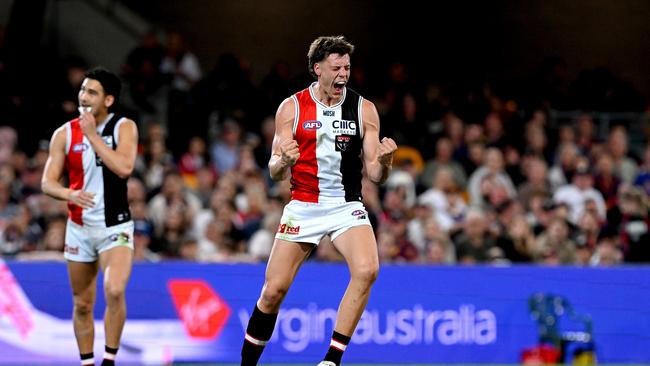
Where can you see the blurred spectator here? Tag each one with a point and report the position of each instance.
(439, 250)
(196, 157)
(565, 164)
(443, 158)
(474, 242)
(142, 71)
(225, 151)
(586, 132)
(580, 194)
(605, 181)
(643, 178)
(554, 246)
(607, 253)
(173, 195)
(536, 172)
(518, 241)
(260, 244)
(624, 167)
(634, 224)
(493, 165)
(445, 201)
(182, 70)
(52, 243)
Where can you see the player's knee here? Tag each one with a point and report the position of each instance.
(366, 273)
(273, 294)
(82, 307)
(114, 292)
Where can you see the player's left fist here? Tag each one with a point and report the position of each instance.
(385, 151)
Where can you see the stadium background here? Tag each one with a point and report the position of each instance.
(505, 89)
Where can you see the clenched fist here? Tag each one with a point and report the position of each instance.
(385, 151)
(289, 152)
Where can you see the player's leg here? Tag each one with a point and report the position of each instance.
(284, 262)
(83, 277)
(359, 248)
(116, 262)
(116, 265)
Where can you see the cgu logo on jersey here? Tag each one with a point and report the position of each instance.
(203, 312)
(80, 147)
(312, 125)
(288, 229)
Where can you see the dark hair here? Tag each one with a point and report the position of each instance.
(324, 46)
(110, 82)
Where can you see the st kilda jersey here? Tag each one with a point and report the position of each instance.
(87, 172)
(330, 143)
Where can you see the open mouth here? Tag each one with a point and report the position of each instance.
(339, 85)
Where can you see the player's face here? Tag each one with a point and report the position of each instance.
(91, 94)
(334, 73)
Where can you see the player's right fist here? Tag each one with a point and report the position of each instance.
(290, 152)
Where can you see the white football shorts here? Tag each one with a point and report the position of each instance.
(308, 222)
(83, 244)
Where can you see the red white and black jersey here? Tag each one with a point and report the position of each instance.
(330, 143)
(86, 172)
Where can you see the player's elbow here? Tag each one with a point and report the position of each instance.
(125, 171)
(45, 186)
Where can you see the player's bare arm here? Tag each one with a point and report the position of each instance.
(122, 160)
(377, 155)
(51, 181)
(284, 151)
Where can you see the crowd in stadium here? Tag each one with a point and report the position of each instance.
(482, 174)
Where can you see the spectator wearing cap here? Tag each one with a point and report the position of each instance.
(578, 194)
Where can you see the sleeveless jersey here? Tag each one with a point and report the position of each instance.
(86, 172)
(330, 144)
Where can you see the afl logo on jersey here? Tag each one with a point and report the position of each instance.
(312, 125)
(80, 147)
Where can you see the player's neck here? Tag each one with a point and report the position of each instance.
(100, 119)
(323, 96)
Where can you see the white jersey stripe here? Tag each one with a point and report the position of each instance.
(296, 113)
(360, 112)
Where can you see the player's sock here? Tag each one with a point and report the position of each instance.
(338, 344)
(259, 331)
(87, 359)
(109, 356)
